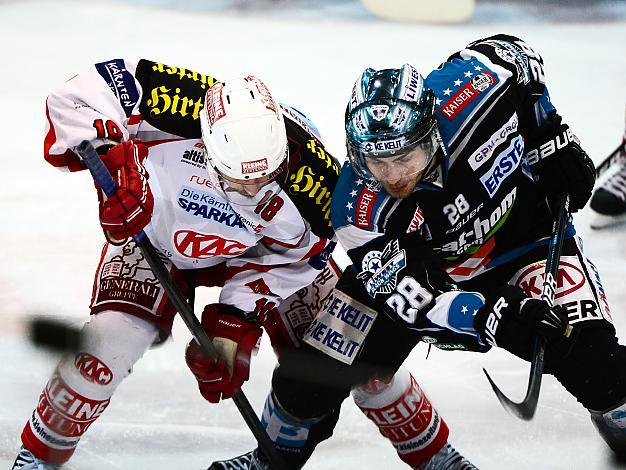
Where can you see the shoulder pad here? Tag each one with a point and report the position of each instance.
(311, 178)
(514, 54)
(460, 85)
(172, 97)
(299, 118)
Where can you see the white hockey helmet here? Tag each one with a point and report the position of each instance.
(244, 134)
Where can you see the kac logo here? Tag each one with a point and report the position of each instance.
(201, 245)
(93, 369)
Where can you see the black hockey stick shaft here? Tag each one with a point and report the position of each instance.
(54, 334)
(526, 408)
(101, 175)
(613, 157)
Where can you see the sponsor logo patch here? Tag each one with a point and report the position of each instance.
(481, 229)
(202, 204)
(410, 422)
(306, 180)
(570, 278)
(121, 82)
(64, 413)
(172, 97)
(482, 81)
(293, 114)
(214, 103)
(194, 157)
(340, 327)
(466, 94)
(127, 278)
(202, 245)
(513, 55)
(254, 166)
(300, 308)
(572, 289)
(364, 207)
(201, 181)
(251, 225)
(485, 151)
(413, 85)
(383, 146)
(451, 346)
(266, 96)
(504, 165)
(93, 369)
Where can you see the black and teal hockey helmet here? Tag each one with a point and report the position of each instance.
(390, 113)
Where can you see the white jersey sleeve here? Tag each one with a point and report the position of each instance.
(98, 105)
(119, 99)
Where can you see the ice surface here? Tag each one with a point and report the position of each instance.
(50, 238)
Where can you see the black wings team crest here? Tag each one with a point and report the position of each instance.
(380, 269)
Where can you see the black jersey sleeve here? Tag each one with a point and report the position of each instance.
(402, 277)
(528, 78)
(312, 176)
(517, 56)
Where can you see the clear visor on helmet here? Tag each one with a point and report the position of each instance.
(248, 192)
(388, 128)
(404, 163)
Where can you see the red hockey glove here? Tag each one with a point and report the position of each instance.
(235, 339)
(129, 210)
(512, 321)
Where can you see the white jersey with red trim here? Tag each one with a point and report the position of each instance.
(193, 225)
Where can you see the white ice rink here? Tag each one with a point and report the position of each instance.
(50, 238)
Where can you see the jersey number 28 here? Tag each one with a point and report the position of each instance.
(410, 292)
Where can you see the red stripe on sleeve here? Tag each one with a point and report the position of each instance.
(69, 159)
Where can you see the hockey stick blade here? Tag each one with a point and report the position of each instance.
(526, 408)
(54, 334)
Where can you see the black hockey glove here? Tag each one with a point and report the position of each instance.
(562, 166)
(512, 321)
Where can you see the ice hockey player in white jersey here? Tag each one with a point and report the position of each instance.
(232, 188)
(445, 209)
(608, 202)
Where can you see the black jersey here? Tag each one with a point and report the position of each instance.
(479, 209)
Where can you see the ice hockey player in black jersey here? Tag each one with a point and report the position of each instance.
(445, 208)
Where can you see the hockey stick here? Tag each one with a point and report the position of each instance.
(54, 334)
(614, 156)
(526, 408)
(101, 175)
